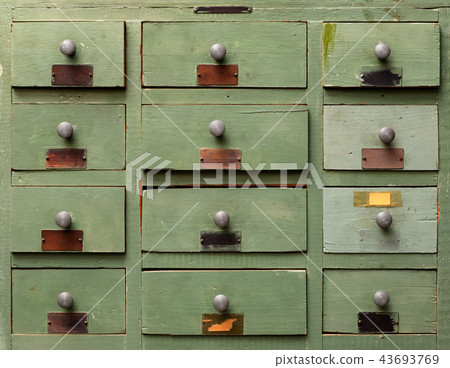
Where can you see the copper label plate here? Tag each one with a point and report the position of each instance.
(65, 158)
(72, 75)
(62, 240)
(223, 324)
(217, 75)
(382, 158)
(220, 158)
(62, 323)
(377, 322)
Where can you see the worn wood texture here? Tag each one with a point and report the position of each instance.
(379, 342)
(414, 49)
(285, 207)
(32, 65)
(70, 342)
(349, 129)
(412, 295)
(272, 302)
(269, 54)
(100, 130)
(350, 229)
(99, 212)
(245, 126)
(35, 292)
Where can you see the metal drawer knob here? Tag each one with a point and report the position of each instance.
(218, 51)
(65, 129)
(63, 219)
(65, 300)
(222, 219)
(381, 298)
(217, 128)
(68, 47)
(221, 302)
(384, 220)
(382, 51)
(386, 135)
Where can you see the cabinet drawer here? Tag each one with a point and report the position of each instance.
(36, 54)
(248, 229)
(412, 300)
(351, 62)
(244, 126)
(353, 141)
(36, 301)
(261, 54)
(350, 220)
(259, 302)
(42, 139)
(97, 217)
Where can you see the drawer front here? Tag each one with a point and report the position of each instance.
(352, 137)
(35, 301)
(412, 299)
(350, 220)
(95, 131)
(33, 65)
(259, 302)
(267, 54)
(413, 59)
(248, 229)
(97, 217)
(244, 126)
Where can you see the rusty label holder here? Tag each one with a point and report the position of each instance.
(63, 322)
(62, 240)
(382, 158)
(65, 158)
(385, 322)
(222, 9)
(373, 76)
(223, 324)
(217, 75)
(72, 75)
(220, 158)
(221, 241)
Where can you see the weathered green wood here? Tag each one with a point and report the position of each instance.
(70, 342)
(285, 207)
(161, 342)
(269, 54)
(69, 178)
(415, 49)
(32, 65)
(69, 96)
(99, 212)
(245, 126)
(223, 260)
(380, 261)
(412, 295)
(379, 342)
(350, 229)
(272, 302)
(62, 260)
(35, 292)
(100, 130)
(349, 129)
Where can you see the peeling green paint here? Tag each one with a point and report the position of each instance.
(329, 31)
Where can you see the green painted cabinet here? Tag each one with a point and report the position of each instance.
(269, 302)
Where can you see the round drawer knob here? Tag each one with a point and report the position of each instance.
(222, 219)
(386, 135)
(382, 51)
(65, 300)
(381, 298)
(65, 129)
(384, 220)
(218, 51)
(221, 302)
(68, 47)
(217, 128)
(63, 219)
